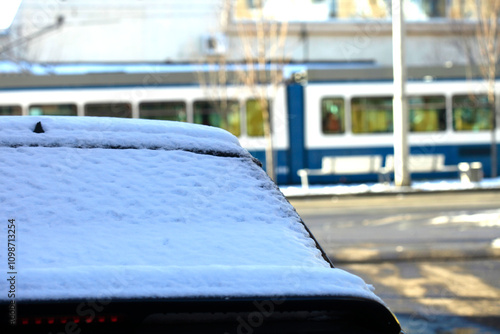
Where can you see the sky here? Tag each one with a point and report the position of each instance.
(8, 10)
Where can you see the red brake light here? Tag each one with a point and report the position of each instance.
(52, 320)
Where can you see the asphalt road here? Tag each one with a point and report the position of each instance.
(405, 227)
(459, 297)
(433, 258)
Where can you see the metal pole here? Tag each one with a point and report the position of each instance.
(400, 104)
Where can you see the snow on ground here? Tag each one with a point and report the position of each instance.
(487, 218)
(152, 218)
(380, 188)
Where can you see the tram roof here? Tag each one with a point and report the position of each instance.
(15, 75)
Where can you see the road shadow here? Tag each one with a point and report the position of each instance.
(441, 324)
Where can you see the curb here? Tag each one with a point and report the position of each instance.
(400, 254)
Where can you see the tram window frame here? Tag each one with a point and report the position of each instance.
(254, 116)
(328, 127)
(115, 107)
(426, 106)
(11, 110)
(172, 110)
(458, 107)
(221, 116)
(40, 109)
(371, 119)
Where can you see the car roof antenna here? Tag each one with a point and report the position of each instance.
(38, 128)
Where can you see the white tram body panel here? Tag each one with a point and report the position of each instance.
(315, 138)
(80, 96)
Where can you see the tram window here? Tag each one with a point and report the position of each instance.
(222, 114)
(332, 115)
(10, 111)
(427, 113)
(109, 109)
(168, 111)
(372, 114)
(471, 113)
(52, 109)
(255, 119)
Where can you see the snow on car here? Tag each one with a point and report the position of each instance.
(147, 216)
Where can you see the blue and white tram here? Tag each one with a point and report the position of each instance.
(450, 117)
(156, 94)
(329, 116)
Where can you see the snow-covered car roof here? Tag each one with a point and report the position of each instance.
(103, 132)
(115, 208)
